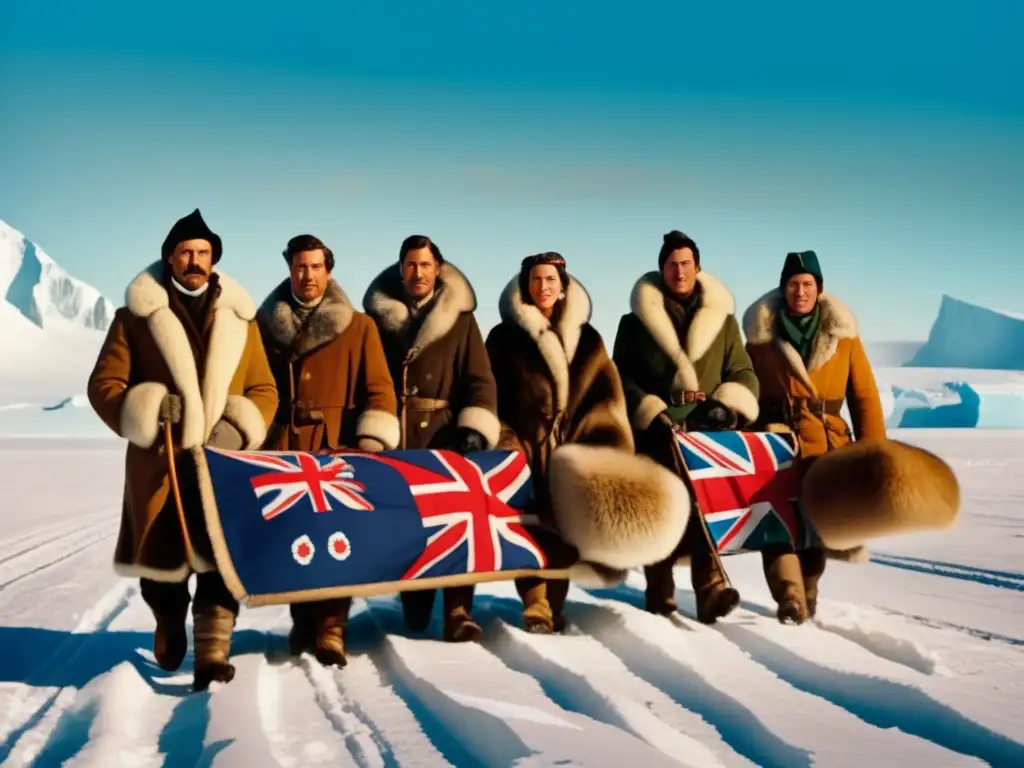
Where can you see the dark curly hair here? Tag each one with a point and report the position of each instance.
(301, 243)
(549, 257)
(673, 241)
(414, 243)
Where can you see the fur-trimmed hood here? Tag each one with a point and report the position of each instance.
(837, 322)
(557, 345)
(330, 319)
(647, 302)
(385, 303)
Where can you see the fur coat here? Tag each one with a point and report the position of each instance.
(441, 373)
(658, 367)
(332, 378)
(838, 369)
(147, 354)
(560, 401)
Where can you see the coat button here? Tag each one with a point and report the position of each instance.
(423, 424)
(307, 376)
(413, 390)
(428, 376)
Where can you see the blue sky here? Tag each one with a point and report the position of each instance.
(889, 140)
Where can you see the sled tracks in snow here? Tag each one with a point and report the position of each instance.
(986, 576)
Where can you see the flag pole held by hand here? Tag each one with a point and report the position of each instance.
(175, 488)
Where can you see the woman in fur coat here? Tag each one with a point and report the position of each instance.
(808, 357)
(561, 402)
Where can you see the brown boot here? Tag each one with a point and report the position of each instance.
(459, 625)
(715, 598)
(170, 641)
(537, 616)
(786, 583)
(331, 618)
(211, 631)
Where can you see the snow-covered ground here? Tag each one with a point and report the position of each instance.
(917, 658)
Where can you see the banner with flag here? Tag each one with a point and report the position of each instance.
(747, 487)
(293, 526)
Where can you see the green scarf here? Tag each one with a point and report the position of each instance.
(800, 331)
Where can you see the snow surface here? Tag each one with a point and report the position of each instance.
(916, 658)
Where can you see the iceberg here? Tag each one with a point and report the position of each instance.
(967, 336)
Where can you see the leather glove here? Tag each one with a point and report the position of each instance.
(659, 431)
(713, 416)
(226, 437)
(468, 440)
(369, 444)
(170, 409)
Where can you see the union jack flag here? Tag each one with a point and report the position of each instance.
(746, 486)
(290, 522)
(294, 477)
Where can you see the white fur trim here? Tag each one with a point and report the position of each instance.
(483, 421)
(593, 576)
(620, 510)
(739, 398)
(140, 413)
(648, 410)
(647, 302)
(381, 426)
(246, 417)
(775, 426)
(556, 345)
(233, 310)
(383, 300)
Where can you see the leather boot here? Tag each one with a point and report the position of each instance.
(417, 606)
(211, 631)
(459, 625)
(302, 636)
(786, 583)
(170, 640)
(660, 595)
(715, 598)
(331, 618)
(537, 614)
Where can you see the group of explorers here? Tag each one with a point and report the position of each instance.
(307, 371)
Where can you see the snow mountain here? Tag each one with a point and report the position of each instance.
(42, 291)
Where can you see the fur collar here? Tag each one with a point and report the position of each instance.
(233, 309)
(837, 322)
(647, 302)
(384, 302)
(328, 321)
(557, 345)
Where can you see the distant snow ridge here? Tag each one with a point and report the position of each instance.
(965, 335)
(42, 291)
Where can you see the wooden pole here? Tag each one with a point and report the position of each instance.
(175, 488)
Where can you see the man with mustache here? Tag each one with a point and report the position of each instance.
(184, 349)
(447, 397)
(336, 394)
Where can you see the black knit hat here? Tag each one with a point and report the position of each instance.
(673, 241)
(191, 227)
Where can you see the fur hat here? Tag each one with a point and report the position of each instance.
(191, 227)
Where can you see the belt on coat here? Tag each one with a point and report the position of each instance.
(783, 410)
(685, 397)
(425, 403)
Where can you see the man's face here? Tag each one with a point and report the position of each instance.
(309, 275)
(680, 272)
(419, 272)
(191, 263)
(801, 294)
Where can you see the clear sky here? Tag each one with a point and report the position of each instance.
(888, 139)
